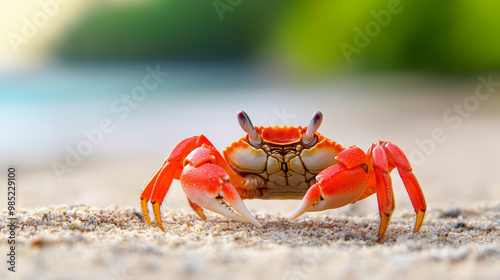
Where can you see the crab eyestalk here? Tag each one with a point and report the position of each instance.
(246, 124)
(314, 124)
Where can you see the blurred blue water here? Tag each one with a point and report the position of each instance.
(72, 82)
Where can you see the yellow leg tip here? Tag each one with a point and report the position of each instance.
(384, 222)
(145, 213)
(201, 214)
(420, 220)
(156, 210)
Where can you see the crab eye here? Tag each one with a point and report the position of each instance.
(246, 124)
(309, 137)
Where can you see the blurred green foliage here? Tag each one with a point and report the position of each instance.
(174, 29)
(439, 36)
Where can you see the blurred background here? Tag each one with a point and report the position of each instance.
(94, 94)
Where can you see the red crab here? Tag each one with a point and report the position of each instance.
(282, 163)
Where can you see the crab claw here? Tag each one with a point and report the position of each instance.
(208, 186)
(309, 202)
(336, 186)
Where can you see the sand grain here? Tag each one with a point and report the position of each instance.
(80, 242)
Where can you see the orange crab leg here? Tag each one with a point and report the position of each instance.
(409, 180)
(357, 176)
(146, 194)
(171, 169)
(385, 156)
(197, 209)
(385, 194)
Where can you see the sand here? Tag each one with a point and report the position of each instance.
(81, 242)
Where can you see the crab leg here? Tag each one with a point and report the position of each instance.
(385, 194)
(197, 209)
(358, 175)
(171, 169)
(385, 156)
(409, 180)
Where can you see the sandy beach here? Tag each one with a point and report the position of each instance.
(81, 242)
